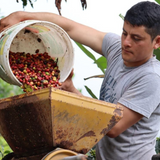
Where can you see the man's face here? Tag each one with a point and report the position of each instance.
(137, 47)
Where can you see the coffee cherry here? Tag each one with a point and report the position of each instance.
(35, 71)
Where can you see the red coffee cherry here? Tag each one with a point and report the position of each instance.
(35, 71)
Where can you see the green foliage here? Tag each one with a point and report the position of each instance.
(158, 1)
(157, 147)
(90, 92)
(92, 154)
(158, 139)
(100, 62)
(89, 54)
(7, 90)
(25, 2)
(4, 148)
(121, 16)
(157, 53)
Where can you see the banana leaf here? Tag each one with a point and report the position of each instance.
(100, 62)
(90, 92)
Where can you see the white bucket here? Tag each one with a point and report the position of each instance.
(44, 36)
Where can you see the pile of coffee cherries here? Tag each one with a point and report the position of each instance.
(35, 71)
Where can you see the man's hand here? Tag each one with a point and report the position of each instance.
(10, 20)
(67, 85)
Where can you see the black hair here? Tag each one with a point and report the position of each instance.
(145, 14)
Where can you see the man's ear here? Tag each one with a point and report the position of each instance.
(157, 42)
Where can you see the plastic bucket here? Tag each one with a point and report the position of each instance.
(59, 154)
(28, 36)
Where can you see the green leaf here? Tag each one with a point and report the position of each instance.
(4, 147)
(90, 92)
(31, 3)
(158, 1)
(102, 63)
(1, 155)
(88, 53)
(7, 152)
(157, 53)
(121, 16)
(91, 154)
(8, 90)
(24, 3)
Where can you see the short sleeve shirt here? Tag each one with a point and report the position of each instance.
(137, 88)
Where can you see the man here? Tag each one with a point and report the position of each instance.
(132, 78)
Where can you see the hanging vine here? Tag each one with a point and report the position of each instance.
(57, 4)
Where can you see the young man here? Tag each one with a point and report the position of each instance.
(132, 78)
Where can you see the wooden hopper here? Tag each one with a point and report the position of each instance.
(38, 122)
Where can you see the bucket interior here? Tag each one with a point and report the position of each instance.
(46, 37)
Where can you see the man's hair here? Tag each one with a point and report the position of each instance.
(145, 14)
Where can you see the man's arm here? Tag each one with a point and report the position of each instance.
(78, 32)
(129, 118)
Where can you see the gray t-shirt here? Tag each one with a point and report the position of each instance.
(137, 88)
